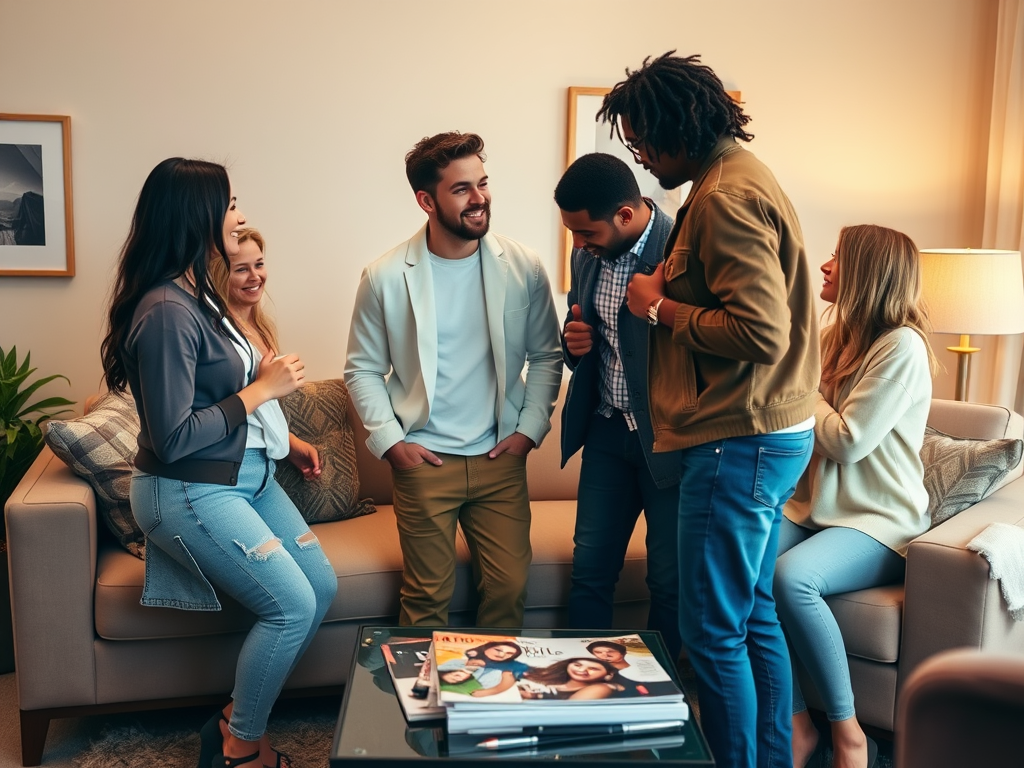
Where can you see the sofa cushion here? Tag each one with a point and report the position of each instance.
(871, 621)
(317, 413)
(101, 447)
(960, 472)
(364, 552)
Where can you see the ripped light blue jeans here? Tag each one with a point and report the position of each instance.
(198, 535)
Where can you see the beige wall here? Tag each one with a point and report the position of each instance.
(867, 111)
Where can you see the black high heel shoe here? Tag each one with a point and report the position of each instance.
(211, 740)
(220, 761)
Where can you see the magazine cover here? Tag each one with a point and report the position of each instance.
(409, 662)
(485, 672)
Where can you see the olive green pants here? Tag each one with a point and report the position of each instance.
(489, 499)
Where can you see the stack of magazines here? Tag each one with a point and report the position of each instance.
(500, 692)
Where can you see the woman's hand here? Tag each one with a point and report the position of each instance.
(276, 377)
(644, 290)
(304, 456)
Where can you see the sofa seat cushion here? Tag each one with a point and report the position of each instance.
(871, 621)
(367, 557)
(363, 550)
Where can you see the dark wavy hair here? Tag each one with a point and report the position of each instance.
(675, 103)
(432, 154)
(478, 650)
(178, 225)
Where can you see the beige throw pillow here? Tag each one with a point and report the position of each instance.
(317, 413)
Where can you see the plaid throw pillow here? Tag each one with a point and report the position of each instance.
(100, 447)
(959, 472)
(316, 413)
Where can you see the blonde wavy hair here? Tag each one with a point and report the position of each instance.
(219, 270)
(879, 290)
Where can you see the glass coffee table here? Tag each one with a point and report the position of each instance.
(372, 730)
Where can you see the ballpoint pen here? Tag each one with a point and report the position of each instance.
(568, 733)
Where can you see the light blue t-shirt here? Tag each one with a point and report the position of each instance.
(463, 418)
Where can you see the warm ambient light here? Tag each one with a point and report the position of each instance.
(972, 291)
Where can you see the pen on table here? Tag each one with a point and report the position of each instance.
(572, 732)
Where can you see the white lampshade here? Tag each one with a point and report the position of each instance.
(973, 291)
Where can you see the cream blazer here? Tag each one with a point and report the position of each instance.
(391, 367)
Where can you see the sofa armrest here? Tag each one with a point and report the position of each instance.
(950, 601)
(51, 538)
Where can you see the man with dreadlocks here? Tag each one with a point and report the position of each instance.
(732, 384)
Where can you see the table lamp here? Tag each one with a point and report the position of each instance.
(972, 291)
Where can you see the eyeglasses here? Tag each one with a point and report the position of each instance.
(634, 148)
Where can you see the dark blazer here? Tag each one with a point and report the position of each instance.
(584, 386)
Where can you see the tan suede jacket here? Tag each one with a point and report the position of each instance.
(743, 356)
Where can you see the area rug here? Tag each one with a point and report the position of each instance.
(302, 728)
(170, 739)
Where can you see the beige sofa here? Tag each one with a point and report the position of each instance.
(84, 645)
(948, 600)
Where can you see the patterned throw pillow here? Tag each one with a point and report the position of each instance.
(317, 413)
(100, 447)
(959, 472)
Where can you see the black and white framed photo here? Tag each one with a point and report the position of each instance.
(36, 222)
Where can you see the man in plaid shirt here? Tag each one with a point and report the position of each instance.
(616, 233)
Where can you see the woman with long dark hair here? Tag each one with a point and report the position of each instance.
(862, 498)
(203, 490)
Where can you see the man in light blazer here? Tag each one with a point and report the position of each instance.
(442, 328)
(616, 233)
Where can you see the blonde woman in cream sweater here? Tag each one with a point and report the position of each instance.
(862, 499)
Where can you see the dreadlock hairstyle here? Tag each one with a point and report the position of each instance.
(220, 269)
(675, 103)
(879, 290)
(177, 226)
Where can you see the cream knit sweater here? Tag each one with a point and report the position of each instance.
(866, 470)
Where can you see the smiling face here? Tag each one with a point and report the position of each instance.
(584, 671)
(606, 653)
(456, 676)
(233, 221)
(604, 239)
(502, 652)
(671, 171)
(830, 285)
(461, 202)
(247, 275)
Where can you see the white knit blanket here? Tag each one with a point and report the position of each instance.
(1003, 546)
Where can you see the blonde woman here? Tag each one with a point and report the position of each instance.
(240, 281)
(862, 498)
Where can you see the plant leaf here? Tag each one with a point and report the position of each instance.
(40, 405)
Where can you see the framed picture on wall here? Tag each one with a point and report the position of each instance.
(586, 135)
(36, 223)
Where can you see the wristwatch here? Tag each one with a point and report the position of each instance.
(652, 311)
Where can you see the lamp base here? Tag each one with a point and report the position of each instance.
(963, 366)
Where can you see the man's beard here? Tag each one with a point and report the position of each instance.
(467, 229)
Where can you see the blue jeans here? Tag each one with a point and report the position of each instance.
(615, 485)
(811, 566)
(227, 535)
(731, 496)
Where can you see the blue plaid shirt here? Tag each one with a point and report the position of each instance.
(609, 295)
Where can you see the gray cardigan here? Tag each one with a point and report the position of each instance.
(185, 376)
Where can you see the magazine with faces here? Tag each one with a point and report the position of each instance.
(373, 728)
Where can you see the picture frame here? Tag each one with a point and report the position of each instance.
(36, 219)
(584, 135)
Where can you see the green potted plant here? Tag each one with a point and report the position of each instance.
(21, 440)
